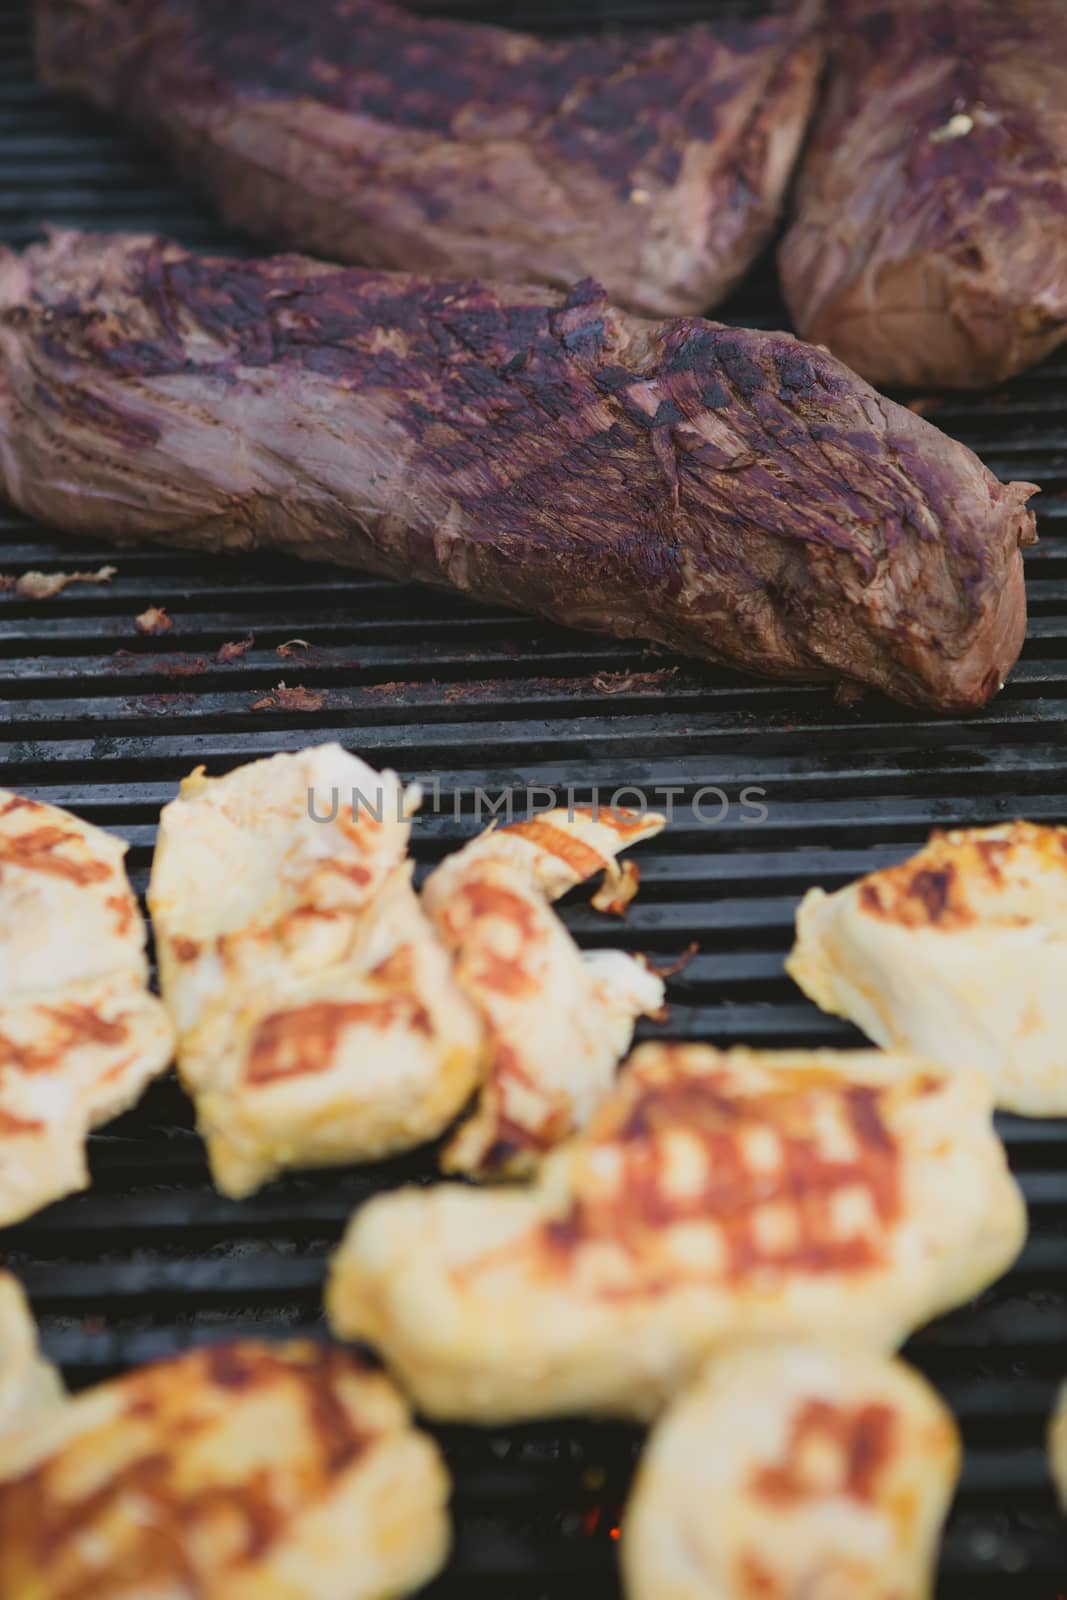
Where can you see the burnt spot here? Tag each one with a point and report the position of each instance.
(796, 375)
(235, 1366)
(586, 292)
(743, 373)
(500, 1154)
(303, 1041)
(919, 896)
(861, 1439)
(666, 416)
(714, 396)
(931, 887)
(185, 950)
(691, 347)
(515, 1141)
(586, 337)
(610, 379)
(870, 899)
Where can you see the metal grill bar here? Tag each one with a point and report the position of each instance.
(97, 717)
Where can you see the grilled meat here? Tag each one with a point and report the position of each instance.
(732, 494)
(791, 1471)
(656, 162)
(80, 1035)
(930, 241)
(957, 954)
(240, 1470)
(713, 1199)
(316, 1013)
(556, 1024)
(325, 1013)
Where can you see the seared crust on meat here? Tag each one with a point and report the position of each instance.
(793, 1470)
(930, 240)
(241, 1470)
(714, 1197)
(957, 954)
(556, 1023)
(729, 493)
(654, 161)
(316, 1014)
(80, 1035)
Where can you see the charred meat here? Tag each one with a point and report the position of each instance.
(930, 241)
(655, 161)
(731, 494)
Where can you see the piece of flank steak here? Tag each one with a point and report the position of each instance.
(930, 241)
(655, 161)
(731, 494)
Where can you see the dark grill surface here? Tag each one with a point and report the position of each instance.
(100, 719)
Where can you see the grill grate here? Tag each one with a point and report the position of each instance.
(98, 718)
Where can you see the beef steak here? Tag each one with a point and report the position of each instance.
(930, 241)
(654, 161)
(733, 494)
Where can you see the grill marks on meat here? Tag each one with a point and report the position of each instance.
(556, 1021)
(793, 1469)
(713, 1199)
(80, 1036)
(731, 494)
(316, 1017)
(352, 128)
(930, 245)
(238, 1469)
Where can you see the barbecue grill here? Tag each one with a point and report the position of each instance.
(104, 720)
